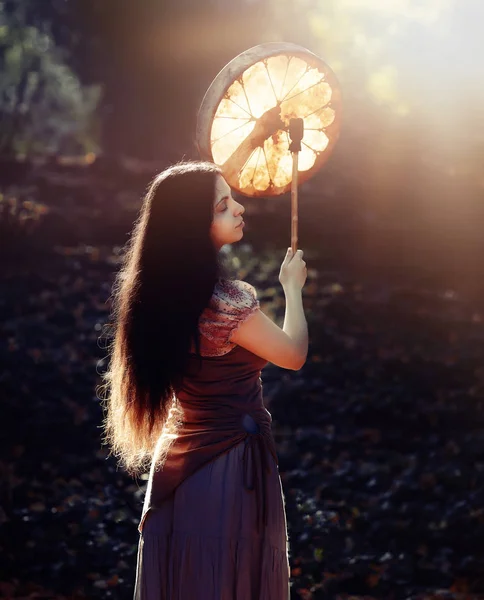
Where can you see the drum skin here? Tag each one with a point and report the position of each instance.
(243, 121)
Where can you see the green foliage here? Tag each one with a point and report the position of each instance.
(44, 108)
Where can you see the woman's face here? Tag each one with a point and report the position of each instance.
(227, 216)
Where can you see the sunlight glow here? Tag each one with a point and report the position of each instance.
(427, 12)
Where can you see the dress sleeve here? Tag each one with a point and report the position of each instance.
(232, 303)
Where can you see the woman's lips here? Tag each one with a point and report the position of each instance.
(240, 224)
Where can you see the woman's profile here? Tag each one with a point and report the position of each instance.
(185, 399)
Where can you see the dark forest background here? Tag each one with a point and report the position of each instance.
(120, 82)
(380, 435)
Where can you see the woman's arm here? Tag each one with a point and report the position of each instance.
(295, 324)
(286, 347)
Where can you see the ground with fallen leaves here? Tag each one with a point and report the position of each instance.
(380, 435)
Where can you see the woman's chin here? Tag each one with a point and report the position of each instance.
(238, 235)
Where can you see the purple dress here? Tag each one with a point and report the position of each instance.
(213, 525)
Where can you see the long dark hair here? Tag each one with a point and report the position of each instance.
(168, 274)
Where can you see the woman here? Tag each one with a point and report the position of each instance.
(185, 396)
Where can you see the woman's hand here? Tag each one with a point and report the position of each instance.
(293, 271)
(266, 125)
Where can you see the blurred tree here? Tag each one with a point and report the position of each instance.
(44, 108)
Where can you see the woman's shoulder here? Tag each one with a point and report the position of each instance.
(232, 302)
(233, 292)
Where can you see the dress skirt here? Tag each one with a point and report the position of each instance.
(203, 542)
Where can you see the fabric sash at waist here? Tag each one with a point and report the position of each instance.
(205, 434)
